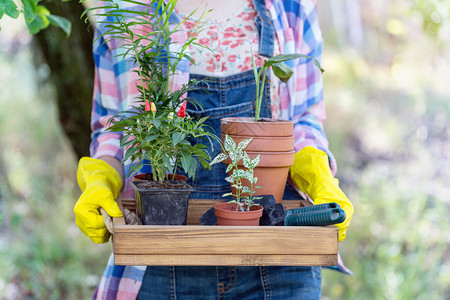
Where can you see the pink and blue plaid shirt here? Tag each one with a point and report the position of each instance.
(301, 100)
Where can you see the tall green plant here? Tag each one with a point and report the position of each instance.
(158, 130)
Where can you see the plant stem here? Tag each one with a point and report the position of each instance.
(130, 33)
(260, 94)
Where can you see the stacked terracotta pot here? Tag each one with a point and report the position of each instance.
(274, 141)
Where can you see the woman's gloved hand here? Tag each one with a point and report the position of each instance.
(312, 174)
(100, 185)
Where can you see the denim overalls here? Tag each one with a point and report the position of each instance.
(230, 96)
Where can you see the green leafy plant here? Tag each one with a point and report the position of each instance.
(243, 194)
(37, 16)
(280, 69)
(159, 129)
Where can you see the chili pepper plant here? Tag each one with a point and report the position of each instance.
(158, 129)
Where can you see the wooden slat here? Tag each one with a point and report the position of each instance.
(186, 240)
(226, 260)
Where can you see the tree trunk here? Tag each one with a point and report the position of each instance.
(72, 71)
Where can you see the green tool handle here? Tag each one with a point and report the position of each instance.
(316, 218)
(304, 209)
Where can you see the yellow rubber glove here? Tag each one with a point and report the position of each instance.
(100, 185)
(312, 174)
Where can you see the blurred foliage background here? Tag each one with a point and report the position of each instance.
(387, 87)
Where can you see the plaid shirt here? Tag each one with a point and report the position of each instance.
(301, 100)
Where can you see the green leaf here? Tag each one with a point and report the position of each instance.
(242, 173)
(40, 21)
(128, 154)
(234, 157)
(189, 58)
(157, 123)
(242, 145)
(192, 168)
(167, 162)
(246, 189)
(186, 161)
(151, 137)
(248, 175)
(229, 179)
(219, 158)
(246, 160)
(2, 12)
(229, 167)
(11, 9)
(204, 163)
(202, 120)
(317, 63)
(29, 8)
(282, 71)
(255, 161)
(61, 22)
(227, 194)
(229, 144)
(282, 58)
(178, 137)
(285, 57)
(127, 143)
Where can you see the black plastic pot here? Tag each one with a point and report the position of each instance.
(162, 206)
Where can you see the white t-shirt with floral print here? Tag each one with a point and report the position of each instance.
(229, 43)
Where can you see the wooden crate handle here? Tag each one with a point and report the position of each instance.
(108, 220)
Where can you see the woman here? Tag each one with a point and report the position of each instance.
(233, 32)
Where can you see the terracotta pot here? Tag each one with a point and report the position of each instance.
(227, 215)
(264, 127)
(265, 143)
(149, 176)
(274, 141)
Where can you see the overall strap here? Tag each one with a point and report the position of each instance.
(265, 29)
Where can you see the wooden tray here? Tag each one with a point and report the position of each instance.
(197, 245)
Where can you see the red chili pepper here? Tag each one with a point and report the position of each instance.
(147, 105)
(182, 111)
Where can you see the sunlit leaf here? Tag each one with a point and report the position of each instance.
(177, 137)
(40, 21)
(281, 58)
(255, 161)
(246, 160)
(243, 144)
(219, 158)
(61, 22)
(29, 8)
(2, 10)
(229, 179)
(11, 9)
(229, 144)
(282, 71)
